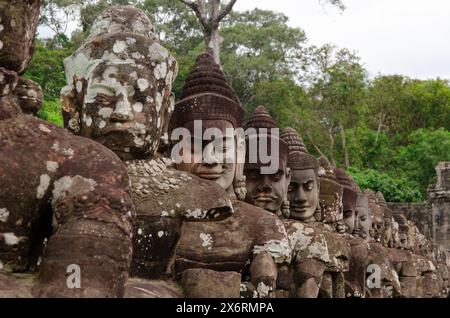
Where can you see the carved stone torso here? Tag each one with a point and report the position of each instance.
(229, 245)
(164, 198)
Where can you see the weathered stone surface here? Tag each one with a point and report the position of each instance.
(355, 277)
(230, 244)
(141, 288)
(97, 102)
(48, 174)
(16, 285)
(18, 22)
(419, 213)
(205, 283)
(164, 198)
(29, 96)
(390, 283)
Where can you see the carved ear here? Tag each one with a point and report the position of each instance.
(72, 97)
(239, 185)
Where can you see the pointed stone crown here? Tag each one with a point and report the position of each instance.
(206, 95)
(299, 158)
(349, 185)
(262, 119)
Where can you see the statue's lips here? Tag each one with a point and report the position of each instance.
(300, 208)
(210, 176)
(264, 198)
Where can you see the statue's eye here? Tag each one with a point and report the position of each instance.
(103, 99)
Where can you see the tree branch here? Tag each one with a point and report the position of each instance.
(225, 11)
(201, 15)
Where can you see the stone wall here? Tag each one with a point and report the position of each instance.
(419, 213)
(440, 203)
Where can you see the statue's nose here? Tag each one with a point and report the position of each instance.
(123, 111)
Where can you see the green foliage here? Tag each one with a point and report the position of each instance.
(47, 69)
(394, 189)
(420, 156)
(51, 112)
(391, 131)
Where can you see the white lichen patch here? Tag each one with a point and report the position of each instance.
(72, 186)
(79, 86)
(44, 128)
(68, 152)
(88, 121)
(119, 46)
(105, 112)
(156, 52)
(131, 41)
(137, 107)
(207, 240)
(280, 250)
(4, 215)
(161, 71)
(55, 146)
(195, 214)
(160, 234)
(11, 239)
(263, 290)
(159, 101)
(142, 84)
(139, 232)
(52, 166)
(102, 124)
(44, 182)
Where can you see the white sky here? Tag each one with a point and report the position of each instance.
(408, 37)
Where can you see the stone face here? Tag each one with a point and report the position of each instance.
(205, 283)
(116, 92)
(18, 23)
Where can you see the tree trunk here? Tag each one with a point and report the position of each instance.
(212, 42)
(380, 125)
(344, 147)
(331, 147)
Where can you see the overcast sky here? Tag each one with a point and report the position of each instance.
(409, 37)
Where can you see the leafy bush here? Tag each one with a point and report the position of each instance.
(51, 111)
(394, 189)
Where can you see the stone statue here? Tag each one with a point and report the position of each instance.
(267, 191)
(250, 242)
(330, 196)
(363, 226)
(321, 260)
(216, 107)
(64, 201)
(348, 200)
(119, 94)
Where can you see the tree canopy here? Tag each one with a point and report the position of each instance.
(389, 131)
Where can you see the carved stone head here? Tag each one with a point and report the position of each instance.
(119, 88)
(348, 200)
(363, 217)
(377, 215)
(265, 189)
(18, 23)
(330, 194)
(303, 191)
(403, 231)
(207, 116)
